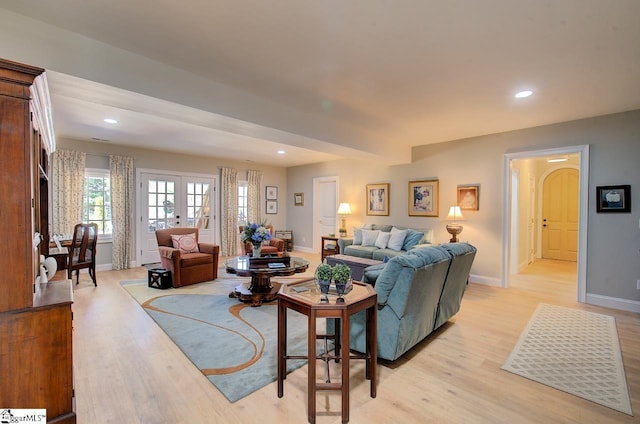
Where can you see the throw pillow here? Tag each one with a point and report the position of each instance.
(413, 238)
(186, 243)
(369, 237)
(382, 240)
(397, 239)
(357, 235)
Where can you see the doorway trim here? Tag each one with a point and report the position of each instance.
(315, 244)
(583, 152)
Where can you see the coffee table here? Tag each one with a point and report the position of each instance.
(261, 288)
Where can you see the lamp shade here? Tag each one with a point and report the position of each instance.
(344, 209)
(455, 214)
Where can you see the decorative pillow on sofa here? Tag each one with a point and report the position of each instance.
(357, 235)
(369, 237)
(413, 237)
(186, 243)
(396, 239)
(382, 240)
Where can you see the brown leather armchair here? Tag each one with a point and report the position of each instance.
(187, 268)
(275, 244)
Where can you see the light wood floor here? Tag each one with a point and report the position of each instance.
(128, 371)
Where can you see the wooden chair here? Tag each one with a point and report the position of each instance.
(82, 252)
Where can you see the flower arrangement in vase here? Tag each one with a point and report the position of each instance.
(255, 234)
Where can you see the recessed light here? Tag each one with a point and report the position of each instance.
(523, 94)
(110, 121)
(281, 152)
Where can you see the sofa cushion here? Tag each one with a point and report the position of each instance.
(413, 238)
(372, 272)
(396, 240)
(379, 254)
(382, 240)
(385, 228)
(194, 259)
(357, 235)
(369, 237)
(360, 251)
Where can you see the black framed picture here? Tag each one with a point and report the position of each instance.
(613, 198)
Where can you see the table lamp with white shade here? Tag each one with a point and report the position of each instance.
(343, 210)
(454, 229)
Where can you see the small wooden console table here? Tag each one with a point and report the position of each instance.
(304, 297)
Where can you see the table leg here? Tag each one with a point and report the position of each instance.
(282, 348)
(344, 353)
(311, 352)
(372, 349)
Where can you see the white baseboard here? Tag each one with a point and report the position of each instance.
(488, 281)
(304, 249)
(613, 302)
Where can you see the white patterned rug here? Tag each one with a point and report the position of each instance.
(575, 351)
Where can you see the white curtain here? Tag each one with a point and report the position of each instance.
(122, 186)
(68, 188)
(230, 233)
(253, 196)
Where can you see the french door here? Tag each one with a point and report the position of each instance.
(169, 201)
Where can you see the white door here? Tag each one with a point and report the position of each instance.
(325, 206)
(169, 201)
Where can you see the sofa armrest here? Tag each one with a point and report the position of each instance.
(344, 242)
(277, 243)
(212, 249)
(169, 252)
(371, 273)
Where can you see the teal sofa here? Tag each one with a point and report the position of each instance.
(358, 246)
(417, 293)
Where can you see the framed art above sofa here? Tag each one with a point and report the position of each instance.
(378, 199)
(423, 198)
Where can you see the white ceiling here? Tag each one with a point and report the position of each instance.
(398, 73)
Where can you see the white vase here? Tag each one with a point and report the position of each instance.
(256, 250)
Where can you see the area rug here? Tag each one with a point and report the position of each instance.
(575, 351)
(231, 343)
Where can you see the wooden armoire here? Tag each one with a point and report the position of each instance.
(36, 364)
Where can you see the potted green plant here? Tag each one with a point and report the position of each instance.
(324, 272)
(342, 277)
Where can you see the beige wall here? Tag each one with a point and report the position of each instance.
(613, 264)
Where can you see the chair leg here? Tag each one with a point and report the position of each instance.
(92, 273)
(77, 276)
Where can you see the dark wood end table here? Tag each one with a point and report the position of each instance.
(305, 298)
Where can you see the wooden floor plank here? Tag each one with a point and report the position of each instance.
(128, 370)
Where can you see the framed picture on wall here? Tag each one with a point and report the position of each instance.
(298, 199)
(469, 197)
(423, 198)
(272, 193)
(613, 198)
(378, 199)
(272, 206)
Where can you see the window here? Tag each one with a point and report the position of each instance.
(243, 188)
(97, 200)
